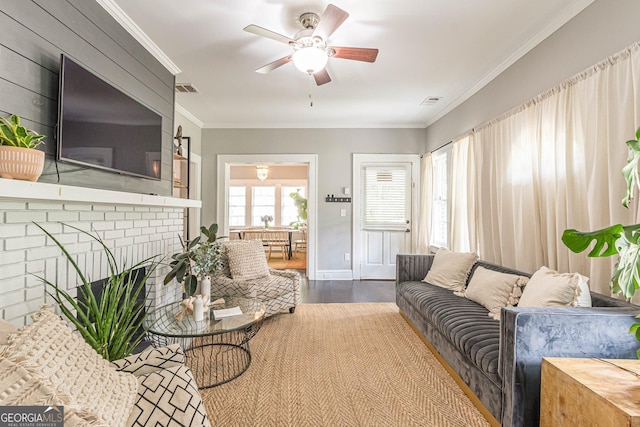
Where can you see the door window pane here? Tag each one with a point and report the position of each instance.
(385, 196)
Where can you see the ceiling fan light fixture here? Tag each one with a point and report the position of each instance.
(310, 59)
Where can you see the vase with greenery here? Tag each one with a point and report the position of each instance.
(199, 258)
(113, 322)
(618, 239)
(19, 158)
(301, 206)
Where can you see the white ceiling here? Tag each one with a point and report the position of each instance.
(448, 49)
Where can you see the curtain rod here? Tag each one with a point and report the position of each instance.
(437, 148)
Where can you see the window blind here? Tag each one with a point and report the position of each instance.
(385, 196)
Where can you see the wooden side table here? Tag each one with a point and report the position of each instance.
(589, 392)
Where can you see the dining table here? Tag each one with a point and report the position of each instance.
(240, 233)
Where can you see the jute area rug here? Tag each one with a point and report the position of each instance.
(341, 365)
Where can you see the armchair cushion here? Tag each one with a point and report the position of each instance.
(168, 393)
(246, 259)
(151, 361)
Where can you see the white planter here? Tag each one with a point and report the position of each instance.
(21, 163)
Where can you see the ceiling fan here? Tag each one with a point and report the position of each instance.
(310, 50)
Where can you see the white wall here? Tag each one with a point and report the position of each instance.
(334, 148)
(602, 29)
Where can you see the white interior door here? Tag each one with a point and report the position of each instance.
(386, 216)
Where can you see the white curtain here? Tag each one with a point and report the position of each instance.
(555, 163)
(426, 191)
(462, 229)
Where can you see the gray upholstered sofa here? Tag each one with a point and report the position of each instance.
(500, 360)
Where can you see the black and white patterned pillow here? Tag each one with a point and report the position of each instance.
(168, 397)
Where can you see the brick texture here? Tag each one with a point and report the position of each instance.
(132, 233)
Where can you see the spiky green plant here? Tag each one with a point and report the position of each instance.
(108, 323)
(13, 134)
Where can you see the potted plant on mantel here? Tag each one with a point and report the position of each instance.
(19, 158)
(617, 239)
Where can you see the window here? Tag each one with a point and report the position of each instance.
(263, 202)
(440, 201)
(385, 196)
(289, 211)
(249, 200)
(237, 206)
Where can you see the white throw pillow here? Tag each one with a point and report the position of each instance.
(68, 366)
(450, 270)
(246, 259)
(6, 328)
(494, 290)
(548, 288)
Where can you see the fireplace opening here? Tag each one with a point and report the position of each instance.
(137, 276)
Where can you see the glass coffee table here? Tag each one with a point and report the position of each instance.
(216, 350)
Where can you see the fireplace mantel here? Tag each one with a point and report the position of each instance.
(25, 190)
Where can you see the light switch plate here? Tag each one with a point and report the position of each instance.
(343, 212)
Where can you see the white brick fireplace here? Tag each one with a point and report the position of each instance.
(134, 227)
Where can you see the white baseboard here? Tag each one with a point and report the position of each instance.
(334, 275)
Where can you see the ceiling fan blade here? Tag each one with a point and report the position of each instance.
(355, 53)
(275, 64)
(322, 77)
(331, 19)
(259, 31)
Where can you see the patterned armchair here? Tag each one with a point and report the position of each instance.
(245, 273)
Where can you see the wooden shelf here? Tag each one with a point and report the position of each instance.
(179, 186)
(179, 157)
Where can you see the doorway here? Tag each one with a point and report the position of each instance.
(384, 212)
(225, 165)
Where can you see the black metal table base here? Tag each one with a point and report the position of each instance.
(213, 359)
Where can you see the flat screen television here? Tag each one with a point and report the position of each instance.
(101, 127)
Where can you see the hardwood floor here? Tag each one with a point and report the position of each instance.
(332, 291)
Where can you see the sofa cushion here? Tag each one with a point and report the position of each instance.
(494, 290)
(68, 366)
(246, 259)
(548, 288)
(450, 270)
(463, 322)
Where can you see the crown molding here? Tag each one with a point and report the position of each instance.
(196, 121)
(132, 28)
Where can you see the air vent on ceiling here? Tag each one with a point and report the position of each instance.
(186, 88)
(431, 100)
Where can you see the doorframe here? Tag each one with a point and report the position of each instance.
(311, 160)
(356, 238)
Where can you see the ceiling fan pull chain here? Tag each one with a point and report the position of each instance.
(310, 90)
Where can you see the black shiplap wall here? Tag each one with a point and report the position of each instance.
(33, 35)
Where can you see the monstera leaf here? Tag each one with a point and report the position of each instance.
(605, 240)
(617, 239)
(630, 171)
